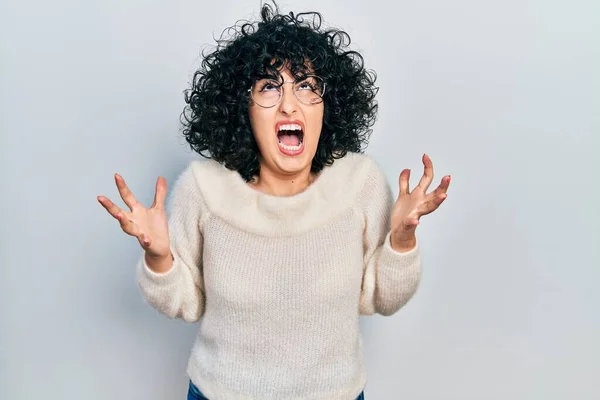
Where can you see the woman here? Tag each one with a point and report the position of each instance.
(288, 232)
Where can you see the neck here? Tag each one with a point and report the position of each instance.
(279, 185)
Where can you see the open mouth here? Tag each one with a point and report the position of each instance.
(291, 137)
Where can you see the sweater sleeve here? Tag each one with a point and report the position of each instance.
(179, 292)
(390, 278)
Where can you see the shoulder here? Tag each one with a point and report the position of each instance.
(219, 188)
(362, 164)
(367, 183)
(358, 173)
(192, 183)
(204, 174)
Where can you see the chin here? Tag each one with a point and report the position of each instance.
(294, 164)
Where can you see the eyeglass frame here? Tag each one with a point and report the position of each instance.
(293, 91)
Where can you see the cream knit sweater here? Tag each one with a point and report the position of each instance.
(277, 283)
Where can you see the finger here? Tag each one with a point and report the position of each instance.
(111, 207)
(443, 187)
(122, 216)
(128, 226)
(433, 204)
(160, 193)
(403, 181)
(427, 177)
(125, 193)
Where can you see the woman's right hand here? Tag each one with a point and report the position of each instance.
(148, 225)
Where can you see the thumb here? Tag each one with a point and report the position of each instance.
(145, 240)
(410, 223)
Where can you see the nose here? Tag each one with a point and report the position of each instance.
(289, 103)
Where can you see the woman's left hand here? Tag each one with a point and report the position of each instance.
(411, 206)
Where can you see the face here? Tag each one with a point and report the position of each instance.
(287, 134)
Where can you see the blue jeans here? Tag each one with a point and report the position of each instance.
(195, 394)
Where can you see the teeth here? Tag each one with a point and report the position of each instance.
(290, 127)
(291, 148)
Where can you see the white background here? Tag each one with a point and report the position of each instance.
(503, 95)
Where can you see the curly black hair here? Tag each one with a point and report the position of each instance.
(215, 118)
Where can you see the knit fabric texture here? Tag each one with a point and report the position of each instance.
(277, 284)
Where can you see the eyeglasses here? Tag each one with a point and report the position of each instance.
(267, 92)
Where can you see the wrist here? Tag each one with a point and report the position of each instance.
(403, 244)
(159, 264)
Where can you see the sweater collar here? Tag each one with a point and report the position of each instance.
(228, 196)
